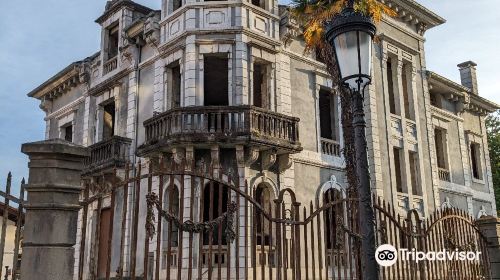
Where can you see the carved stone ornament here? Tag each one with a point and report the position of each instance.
(253, 155)
(84, 72)
(446, 203)
(178, 155)
(152, 31)
(268, 159)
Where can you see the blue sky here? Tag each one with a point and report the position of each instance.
(39, 38)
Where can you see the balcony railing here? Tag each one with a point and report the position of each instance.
(330, 147)
(444, 174)
(109, 153)
(222, 124)
(110, 65)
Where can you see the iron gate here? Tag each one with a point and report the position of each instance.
(203, 223)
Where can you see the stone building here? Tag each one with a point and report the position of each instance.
(201, 67)
(9, 242)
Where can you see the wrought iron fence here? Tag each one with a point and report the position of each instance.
(204, 223)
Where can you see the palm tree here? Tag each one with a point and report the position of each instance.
(312, 16)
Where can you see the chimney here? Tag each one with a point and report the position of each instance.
(468, 75)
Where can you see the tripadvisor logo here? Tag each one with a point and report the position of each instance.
(387, 255)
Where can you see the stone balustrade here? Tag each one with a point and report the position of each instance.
(444, 174)
(223, 125)
(113, 152)
(330, 147)
(110, 65)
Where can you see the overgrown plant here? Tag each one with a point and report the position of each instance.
(493, 128)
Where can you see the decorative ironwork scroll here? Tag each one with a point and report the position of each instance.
(189, 226)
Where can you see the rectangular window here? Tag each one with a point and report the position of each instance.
(113, 36)
(176, 4)
(108, 121)
(414, 174)
(215, 79)
(327, 113)
(475, 155)
(318, 55)
(259, 3)
(441, 151)
(406, 94)
(397, 169)
(390, 87)
(102, 257)
(261, 85)
(68, 133)
(174, 86)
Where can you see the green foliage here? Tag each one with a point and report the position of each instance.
(493, 128)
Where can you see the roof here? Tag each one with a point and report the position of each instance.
(475, 99)
(114, 5)
(433, 76)
(69, 70)
(426, 15)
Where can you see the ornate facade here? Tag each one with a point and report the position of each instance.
(228, 84)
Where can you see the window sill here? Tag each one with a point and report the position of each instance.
(478, 181)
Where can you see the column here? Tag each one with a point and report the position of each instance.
(52, 212)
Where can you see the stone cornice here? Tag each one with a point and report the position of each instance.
(414, 13)
(457, 92)
(58, 84)
(71, 76)
(481, 105)
(115, 5)
(434, 77)
(166, 46)
(445, 115)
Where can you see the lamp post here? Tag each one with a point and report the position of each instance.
(351, 34)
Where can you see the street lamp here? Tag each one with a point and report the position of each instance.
(351, 35)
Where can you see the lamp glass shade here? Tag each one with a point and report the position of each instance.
(354, 51)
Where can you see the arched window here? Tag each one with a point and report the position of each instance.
(170, 231)
(263, 226)
(215, 199)
(332, 215)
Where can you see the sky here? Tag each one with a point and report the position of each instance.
(40, 38)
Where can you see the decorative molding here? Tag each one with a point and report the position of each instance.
(66, 109)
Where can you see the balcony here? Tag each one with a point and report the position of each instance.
(107, 154)
(222, 125)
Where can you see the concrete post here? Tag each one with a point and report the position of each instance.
(490, 227)
(52, 209)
